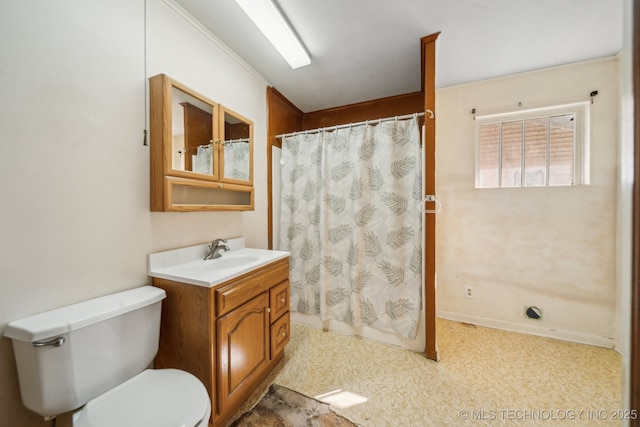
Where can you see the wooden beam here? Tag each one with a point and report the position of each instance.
(428, 54)
(375, 109)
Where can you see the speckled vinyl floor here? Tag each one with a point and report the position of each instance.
(485, 377)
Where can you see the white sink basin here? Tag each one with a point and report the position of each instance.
(230, 261)
(188, 266)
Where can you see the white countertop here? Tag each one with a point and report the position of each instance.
(188, 266)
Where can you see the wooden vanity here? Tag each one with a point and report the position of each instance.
(230, 335)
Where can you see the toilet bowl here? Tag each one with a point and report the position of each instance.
(93, 358)
(158, 398)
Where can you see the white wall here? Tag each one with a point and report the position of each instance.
(549, 247)
(74, 175)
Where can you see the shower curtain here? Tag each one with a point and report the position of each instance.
(236, 159)
(350, 218)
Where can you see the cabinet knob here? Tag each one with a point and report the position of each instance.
(284, 333)
(283, 299)
(268, 309)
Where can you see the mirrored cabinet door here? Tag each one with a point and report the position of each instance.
(236, 139)
(192, 134)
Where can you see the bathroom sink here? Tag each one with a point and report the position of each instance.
(187, 265)
(231, 261)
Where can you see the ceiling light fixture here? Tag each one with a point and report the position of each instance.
(276, 29)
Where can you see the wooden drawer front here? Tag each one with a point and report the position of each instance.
(235, 293)
(279, 300)
(280, 334)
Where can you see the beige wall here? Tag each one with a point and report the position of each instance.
(549, 247)
(74, 175)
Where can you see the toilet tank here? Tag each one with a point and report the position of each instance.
(107, 340)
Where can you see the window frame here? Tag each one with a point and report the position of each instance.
(581, 157)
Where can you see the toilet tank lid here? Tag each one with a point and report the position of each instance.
(65, 319)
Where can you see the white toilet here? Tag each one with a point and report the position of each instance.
(95, 355)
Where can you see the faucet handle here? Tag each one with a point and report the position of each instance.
(217, 241)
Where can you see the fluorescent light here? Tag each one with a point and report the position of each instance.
(268, 19)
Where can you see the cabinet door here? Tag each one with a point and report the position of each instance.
(243, 349)
(197, 150)
(236, 165)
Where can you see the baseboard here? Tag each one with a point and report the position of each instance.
(539, 330)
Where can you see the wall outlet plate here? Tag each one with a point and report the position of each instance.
(469, 292)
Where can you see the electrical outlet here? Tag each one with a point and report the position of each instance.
(468, 291)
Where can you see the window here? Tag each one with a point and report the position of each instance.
(533, 148)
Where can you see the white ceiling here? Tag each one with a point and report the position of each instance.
(368, 49)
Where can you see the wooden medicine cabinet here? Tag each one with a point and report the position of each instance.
(201, 152)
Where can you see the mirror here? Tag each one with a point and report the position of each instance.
(237, 148)
(191, 134)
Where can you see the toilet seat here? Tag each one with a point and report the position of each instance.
(155, 397)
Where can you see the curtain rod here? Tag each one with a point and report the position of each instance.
(366, 122)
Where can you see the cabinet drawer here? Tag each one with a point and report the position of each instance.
(235, 293)
(279, 300)
(280, 334)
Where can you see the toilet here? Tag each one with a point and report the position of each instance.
(93, 358)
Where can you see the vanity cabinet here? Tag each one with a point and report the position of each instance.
(201, 151)
(229, 336)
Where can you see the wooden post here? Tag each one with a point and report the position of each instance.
(428, 51)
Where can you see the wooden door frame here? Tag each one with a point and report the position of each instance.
(428, 50)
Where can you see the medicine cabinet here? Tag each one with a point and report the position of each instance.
(201, 151)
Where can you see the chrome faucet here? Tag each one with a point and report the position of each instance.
(215, 247)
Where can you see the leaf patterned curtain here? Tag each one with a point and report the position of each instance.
(236, 159)
(350, 218)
